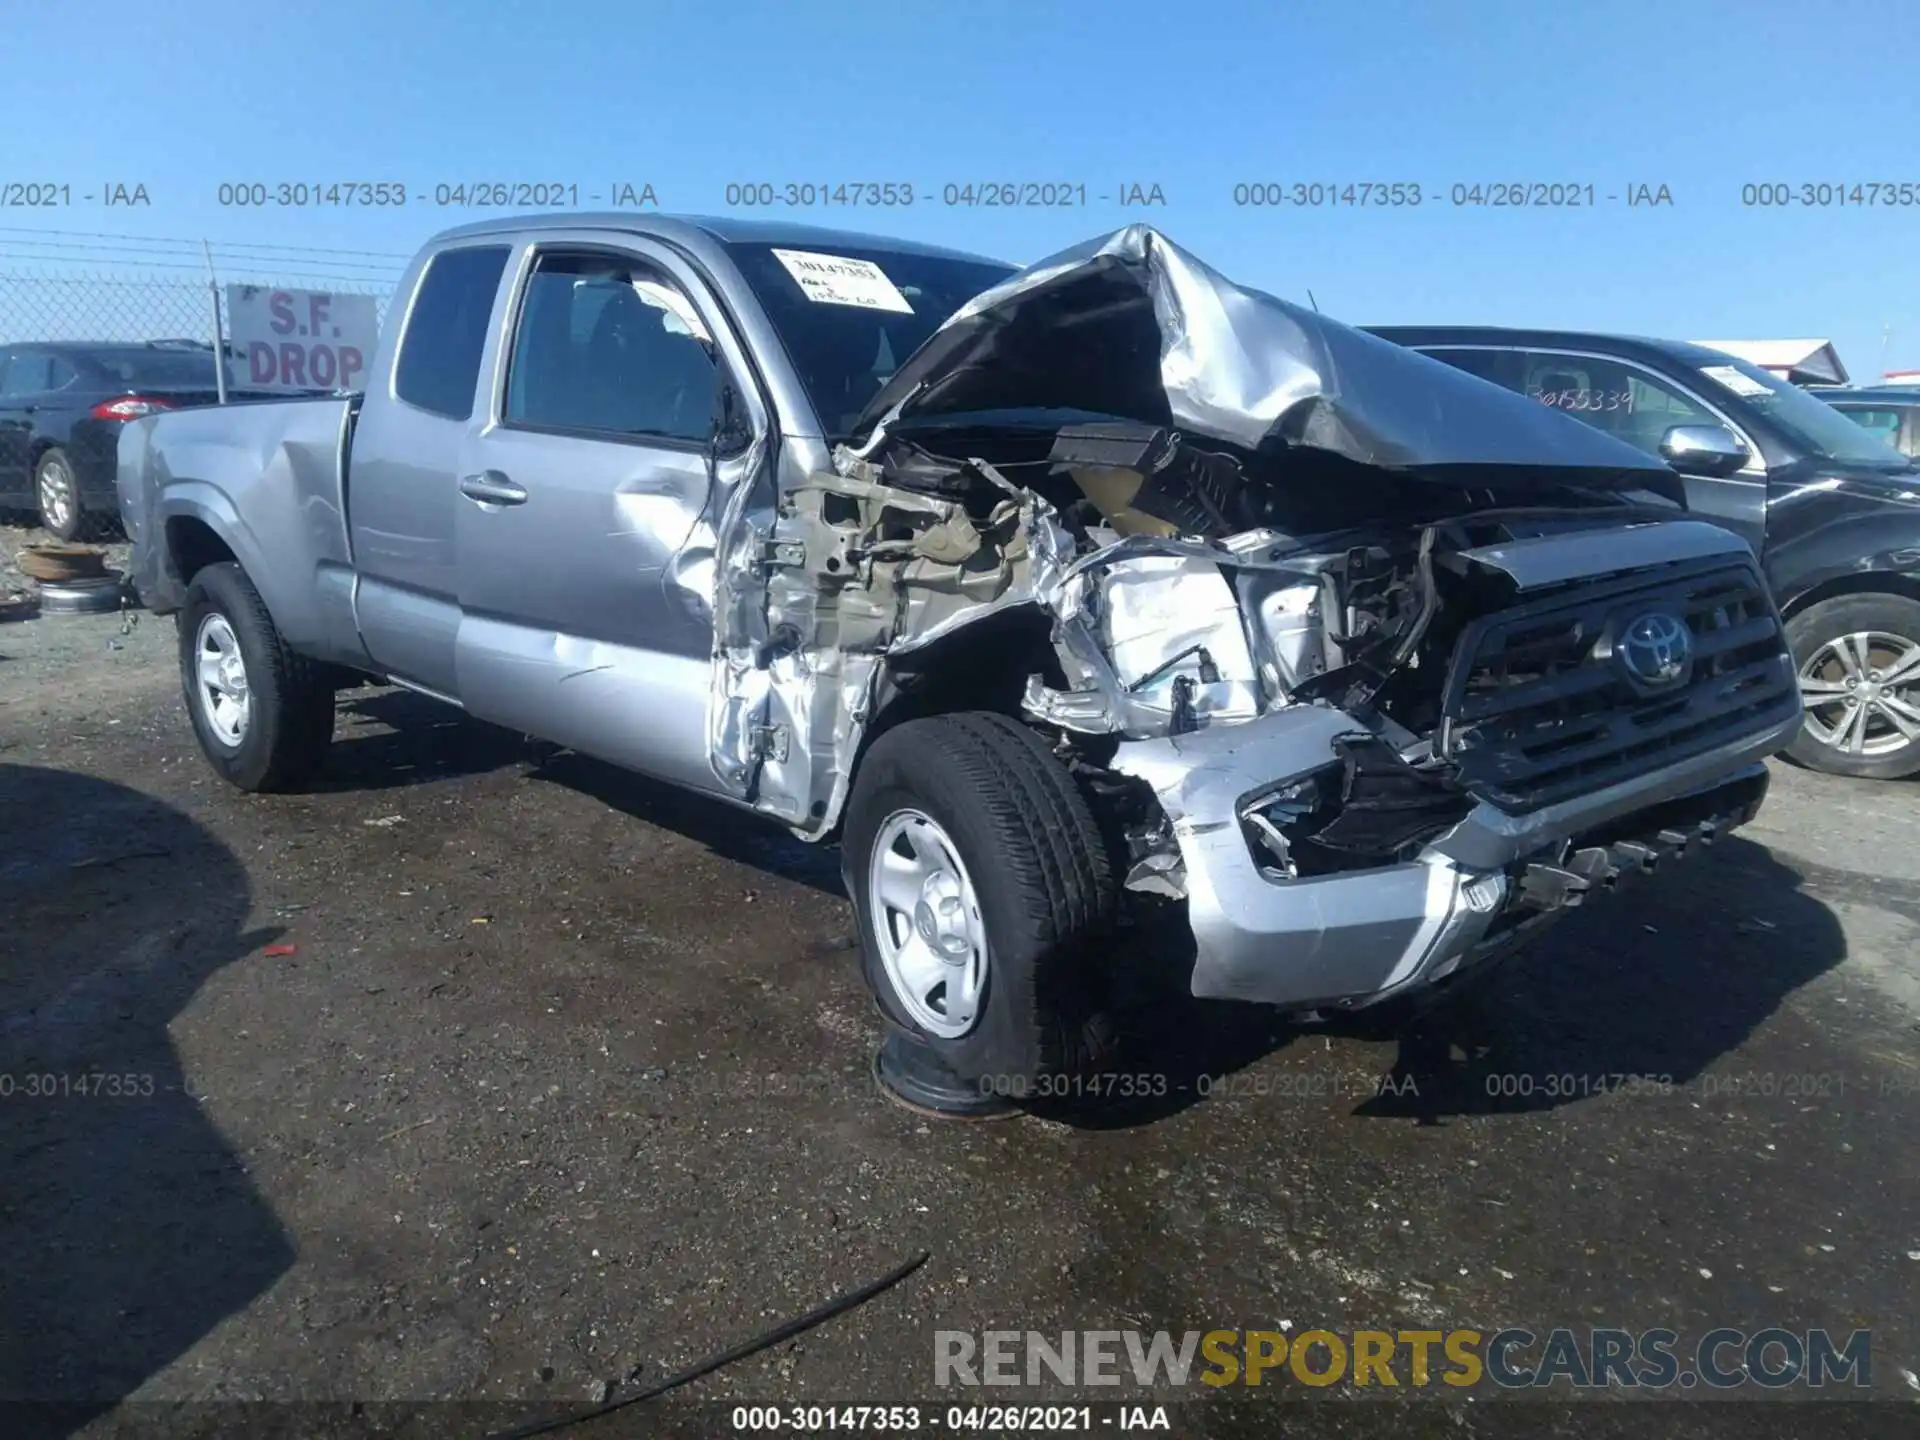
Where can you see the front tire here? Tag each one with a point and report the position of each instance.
(263, 714)
(1859, 663)
(983, 892)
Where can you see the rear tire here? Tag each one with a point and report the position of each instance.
(56, 490)
(262, 713)
(1864, 648)
(1017, 877)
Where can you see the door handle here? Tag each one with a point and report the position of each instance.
(490, 487)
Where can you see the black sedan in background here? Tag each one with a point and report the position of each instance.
(61, 408)
(1830, 508)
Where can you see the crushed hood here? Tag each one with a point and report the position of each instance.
(1134, 327)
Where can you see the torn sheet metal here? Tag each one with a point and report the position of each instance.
(1132, 326)
(846, 572)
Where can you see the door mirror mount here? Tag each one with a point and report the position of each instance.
(1710, 450)
(732, 431)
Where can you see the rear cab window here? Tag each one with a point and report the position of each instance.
(446, 335)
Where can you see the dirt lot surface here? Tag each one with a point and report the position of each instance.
(488, 1073)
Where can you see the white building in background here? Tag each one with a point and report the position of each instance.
(1804, 362)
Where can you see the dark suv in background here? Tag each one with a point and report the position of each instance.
(61, 408)
(1831, 509)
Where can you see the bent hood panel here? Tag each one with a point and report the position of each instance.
(1134, 327)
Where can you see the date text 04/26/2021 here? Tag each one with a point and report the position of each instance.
(999, 1419)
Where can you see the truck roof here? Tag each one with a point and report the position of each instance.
(696, 231)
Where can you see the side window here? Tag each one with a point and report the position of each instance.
(61, 374)
(447, 330)
(27, 375)
(1502, 367)
(1623, 400)
(606, 346)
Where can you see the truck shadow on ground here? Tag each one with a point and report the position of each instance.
(128, 1227)
(1648, 987)
(388, 739)
(726, 832)
(392, 738)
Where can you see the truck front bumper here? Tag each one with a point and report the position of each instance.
(1486, 885)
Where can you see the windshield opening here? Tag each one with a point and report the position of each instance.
(849, 327)
(1810, 423)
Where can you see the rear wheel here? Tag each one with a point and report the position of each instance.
(983, 891)
(263, 714)
(1859, 663)
(57, 492)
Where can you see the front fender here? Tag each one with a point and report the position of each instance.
(1866, 538)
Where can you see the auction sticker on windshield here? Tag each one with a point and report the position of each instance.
(838, 280)
(1734, 380)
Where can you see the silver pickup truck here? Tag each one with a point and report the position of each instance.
(1058, 597)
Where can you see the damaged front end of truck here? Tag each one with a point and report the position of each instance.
(1373, 666)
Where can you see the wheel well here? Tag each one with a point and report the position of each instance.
(982, 666)
(1870, 582)
(192, 545)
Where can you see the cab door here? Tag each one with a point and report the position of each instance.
(583, 530)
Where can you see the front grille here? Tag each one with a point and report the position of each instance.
(1540, 706)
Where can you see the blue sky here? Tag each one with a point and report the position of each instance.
(1194, 97)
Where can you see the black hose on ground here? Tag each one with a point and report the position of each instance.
(786, 1331)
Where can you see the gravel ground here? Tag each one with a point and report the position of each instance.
(486, 1073)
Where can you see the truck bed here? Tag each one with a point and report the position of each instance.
(269, 476)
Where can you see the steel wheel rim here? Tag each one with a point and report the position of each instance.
(927, 925)
(56, 494)
(1862, 693)
(220, 688)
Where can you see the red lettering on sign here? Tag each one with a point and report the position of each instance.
(280, 306)
(293, 364)
(260, 362)
(351, 364)
(320, 365)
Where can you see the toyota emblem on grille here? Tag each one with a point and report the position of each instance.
(1656, 649)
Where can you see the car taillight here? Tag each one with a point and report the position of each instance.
(130, 407)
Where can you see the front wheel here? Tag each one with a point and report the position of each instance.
(1859, 663)
(262, 713)
(983, 893)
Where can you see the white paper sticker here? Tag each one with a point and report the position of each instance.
(838, 280)
(1735, 380)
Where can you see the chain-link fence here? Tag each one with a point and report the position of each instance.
(78, 286)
